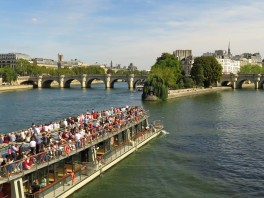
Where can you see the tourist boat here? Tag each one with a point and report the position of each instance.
(75, 163)
(139, 87)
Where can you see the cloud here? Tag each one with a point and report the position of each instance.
(34, 20)
(133, 31)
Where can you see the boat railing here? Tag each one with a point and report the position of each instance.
(86, 169)
(45, 158)
(66, 180)
(60, 121)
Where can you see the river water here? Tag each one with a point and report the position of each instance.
(212, 145)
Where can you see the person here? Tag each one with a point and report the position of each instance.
(32, 145)
(1, 139)
(21, 150)
(19, 163)
(43, 183)
(35, 187)
(28, 137)
(6, 139)
(27, 163)
(14, 151)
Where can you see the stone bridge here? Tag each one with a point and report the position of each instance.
(85, 80)
(236, 80)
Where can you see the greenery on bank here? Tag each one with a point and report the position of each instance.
(251, 69)
(167, 74)
(25, 68)
(155, 85)
(206, 71)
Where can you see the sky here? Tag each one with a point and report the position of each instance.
(129, 31)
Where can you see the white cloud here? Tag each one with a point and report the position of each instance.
(34, 20)
(94, 31)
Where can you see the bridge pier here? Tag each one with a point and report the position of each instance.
(39, 81)
(256, 81)
(83, 83)
(234, 81)
(131, 81)
(108, 81)
(61, 81)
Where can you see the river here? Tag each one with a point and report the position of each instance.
(212, 145)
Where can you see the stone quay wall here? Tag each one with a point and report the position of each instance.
(193, 91)
(14, 87)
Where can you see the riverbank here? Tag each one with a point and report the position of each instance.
(14, 87)
(194, 91)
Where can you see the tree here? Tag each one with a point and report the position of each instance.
(155, 85)
(8, 74)
(169, 68)
(22, 67)
(206, 70)
(251, 69)
(197, 75)
(188, 82)
(110, 71)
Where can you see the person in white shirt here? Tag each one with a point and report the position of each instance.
(77, 140)
(32, 145)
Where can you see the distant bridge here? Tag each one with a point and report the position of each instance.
(236, 80)
(85, 80)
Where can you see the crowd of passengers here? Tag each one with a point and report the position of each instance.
(48, 140)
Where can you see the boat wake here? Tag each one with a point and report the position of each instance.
(165, 132)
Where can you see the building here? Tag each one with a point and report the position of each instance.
(186, 58)
(181, 54)
(49, 63)
(131, 67)
(69, 64)
(229, 63)
(10, 59)
(250, 59)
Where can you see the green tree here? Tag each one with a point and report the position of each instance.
(188, 82)
(251, 69)
(155, 85)
(110, 71)
(169, 68)
(8, 74)
(206, 70)
(22, 67)
(197, 74)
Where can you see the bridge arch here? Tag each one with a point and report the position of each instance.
(90, 81)
(261, 83)
(67, 83)
(47, 83)
(113, 81)
(226, 83)
(29, 82)
(137, 81)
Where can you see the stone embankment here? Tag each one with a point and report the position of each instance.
(193, 91)
(14, 87)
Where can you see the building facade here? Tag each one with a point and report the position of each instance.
(229, 65)
(42, 62)
(186, 58)
(10, 59)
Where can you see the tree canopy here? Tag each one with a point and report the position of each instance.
(251, 69)
(8, 74)
(169, 68)
(155, 85)
(206, 70)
